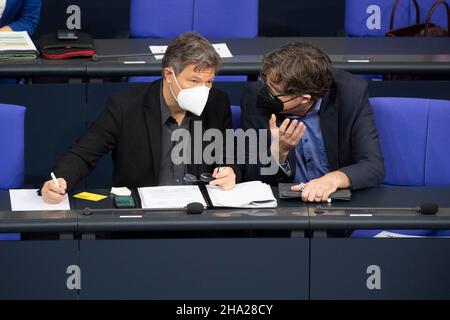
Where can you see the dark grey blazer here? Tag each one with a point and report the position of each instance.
(348, 130)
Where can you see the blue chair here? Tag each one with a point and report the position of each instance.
(12, 119)
(402, 128)
(12, 146)
(413, 136)
(371, 18)
(213, 19)
(160, 19)
(437, 164)
(439, 17)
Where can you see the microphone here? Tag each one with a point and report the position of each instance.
(97, 57)
(425, 208)
(190, 208)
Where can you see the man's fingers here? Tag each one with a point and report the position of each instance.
(298, 187)
(222, 172)
(219, 181)
(51, 186)
(62, 183)
(298, 132)
(291, 128)
(284, 125)
(305, 193)
(52, 197)
(273, 122)
(326, 195)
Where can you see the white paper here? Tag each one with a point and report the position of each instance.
(122, 191)
(28, 200)
(389, 234)
(16, 41)
(221, 48)
(170, 196)
(158, 49)
(253, 194)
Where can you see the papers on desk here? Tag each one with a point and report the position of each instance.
(168, 197)
(16, 46)
(253, 194)
(221, 48)
(28, 200)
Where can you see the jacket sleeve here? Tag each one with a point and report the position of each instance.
(101, 137)
(28, 17)
(368, 168)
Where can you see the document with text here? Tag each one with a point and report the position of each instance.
(168, 197)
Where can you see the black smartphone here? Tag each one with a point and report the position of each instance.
(123, 202)
(67, 35)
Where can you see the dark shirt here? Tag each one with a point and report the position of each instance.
(170, 173)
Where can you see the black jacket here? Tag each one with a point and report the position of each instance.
(348, 130)
(130, 127)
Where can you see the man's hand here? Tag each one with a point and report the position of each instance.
(5, 28)
(319, 190)
(53, 194)
(284, 138)
(225, 178)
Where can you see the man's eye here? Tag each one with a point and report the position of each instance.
(194, 81)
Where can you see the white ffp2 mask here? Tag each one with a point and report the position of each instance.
(191, 99)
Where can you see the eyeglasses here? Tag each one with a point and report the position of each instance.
(192, 179)
(273, 96)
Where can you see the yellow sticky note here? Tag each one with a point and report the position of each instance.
(90, 196)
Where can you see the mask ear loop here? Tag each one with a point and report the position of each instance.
(176, 81)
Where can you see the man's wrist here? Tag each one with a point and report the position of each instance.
(339, 179)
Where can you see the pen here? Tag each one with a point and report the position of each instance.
(55, 181)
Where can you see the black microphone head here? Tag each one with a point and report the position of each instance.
(318, 209)
(194, 208)
(429, 208)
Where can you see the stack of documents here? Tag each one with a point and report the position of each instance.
(253, 194)
(170, 197)
(17, 46)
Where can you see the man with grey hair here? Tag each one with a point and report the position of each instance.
(137, 126)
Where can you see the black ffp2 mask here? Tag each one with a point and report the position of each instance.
(267, 101)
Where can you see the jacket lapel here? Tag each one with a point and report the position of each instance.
(329, 124)
(152, 111)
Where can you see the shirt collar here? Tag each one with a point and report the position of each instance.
(316, 107)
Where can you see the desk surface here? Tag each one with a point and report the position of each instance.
(290, 215)
(385, 55)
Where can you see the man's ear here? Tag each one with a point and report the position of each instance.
(305, 98)
(167, 72)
